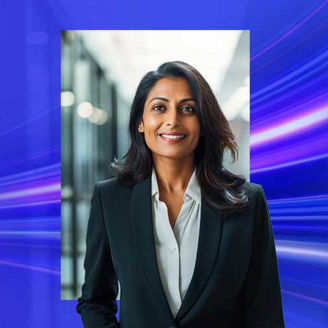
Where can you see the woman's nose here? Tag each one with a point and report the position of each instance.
(172, 117)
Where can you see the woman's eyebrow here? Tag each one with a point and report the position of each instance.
(165, 99)
(160, 98)
(186, 99)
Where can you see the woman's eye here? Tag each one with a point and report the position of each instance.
(158, 108)
(188, 109)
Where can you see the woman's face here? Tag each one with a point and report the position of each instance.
(169, 122)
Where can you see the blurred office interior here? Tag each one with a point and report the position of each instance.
(100, 71)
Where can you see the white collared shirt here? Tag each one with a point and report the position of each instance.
(176, 248)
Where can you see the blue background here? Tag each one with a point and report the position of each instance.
(289, 156)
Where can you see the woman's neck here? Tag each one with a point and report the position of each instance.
(173, 175)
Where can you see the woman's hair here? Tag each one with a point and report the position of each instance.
(220, 188)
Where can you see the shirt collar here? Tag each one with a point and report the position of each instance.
(193, 188)
(154, 185)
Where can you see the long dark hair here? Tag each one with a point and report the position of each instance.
(220, 188)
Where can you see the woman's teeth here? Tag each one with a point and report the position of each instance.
(169, 136)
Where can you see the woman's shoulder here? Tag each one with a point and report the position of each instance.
(112, 187)
(252, 190)
(111, 183)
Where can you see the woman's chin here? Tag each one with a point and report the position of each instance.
(177, 156)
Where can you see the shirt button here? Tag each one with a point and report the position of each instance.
(173, 249)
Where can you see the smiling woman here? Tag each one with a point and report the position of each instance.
(176, 99)
(190, 242)
(169, 122)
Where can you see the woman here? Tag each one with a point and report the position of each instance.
(190, 243)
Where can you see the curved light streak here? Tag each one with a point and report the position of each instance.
(26, 122)
(31, 191)
(288, 49)
(291, 31)
(47, 234)
(27, 158)
(31, 204)
(302, 252)
(304, 297)
(302, 209)
(305, 200)
(297, 219)
(294, 97)
(292, 78)
(289, 164)
(41, 172)
(30, 267)
(294, 125)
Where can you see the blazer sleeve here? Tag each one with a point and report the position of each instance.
(97, 305)
(261, 294)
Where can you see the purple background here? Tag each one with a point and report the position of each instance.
(289, 156)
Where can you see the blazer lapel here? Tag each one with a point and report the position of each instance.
(141, 216)
(208, 249)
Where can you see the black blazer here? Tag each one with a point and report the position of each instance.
(235, 281)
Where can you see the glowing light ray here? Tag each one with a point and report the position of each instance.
(33, 179)
(288, 109)
(308, 298)
(28, 158)
(289, 49)
(295, 87)
(14, 243)
(30, 267)
(24, 204)
(30, 120)
(300, 251)
(30, 178)
(288, 164)
(291, 31)
(303, 282)
(314, 219)
(306, 199)
(293, 78)
(31, 220)
(53, 234)
(302, 209)
(287, 128)
(288, 99)
(31, 191)
(36, 172)
(314, 143)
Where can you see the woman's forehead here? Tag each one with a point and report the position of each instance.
(171, 87)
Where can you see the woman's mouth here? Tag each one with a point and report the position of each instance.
(172, 137)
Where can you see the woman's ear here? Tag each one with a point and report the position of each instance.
(141, 127)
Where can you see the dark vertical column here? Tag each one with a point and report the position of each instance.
(114, 120)
(74, 200)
